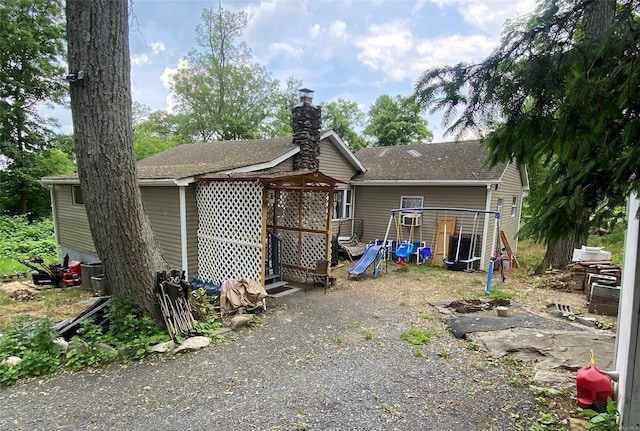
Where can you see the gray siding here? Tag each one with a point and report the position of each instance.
(373, 205)
(162, 205)
(72, 224)
(192, 230)
(286, 166)
(511, 186)
(333, 163)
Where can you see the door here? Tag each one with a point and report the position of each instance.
(446, 227)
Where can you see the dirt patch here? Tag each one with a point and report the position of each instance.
(465, 306)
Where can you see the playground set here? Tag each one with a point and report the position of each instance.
(455, 243)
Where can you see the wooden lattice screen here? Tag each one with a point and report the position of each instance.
(299, 217)
(229, 230)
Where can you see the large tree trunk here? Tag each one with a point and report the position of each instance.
(98, 44)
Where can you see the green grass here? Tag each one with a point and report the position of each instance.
(417, 336)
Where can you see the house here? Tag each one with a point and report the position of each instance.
(229, 209)
(439, 175)
(267, 208)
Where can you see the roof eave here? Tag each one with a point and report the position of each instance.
(461, 183)
(265, 165)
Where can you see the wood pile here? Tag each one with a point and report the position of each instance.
(600, 281)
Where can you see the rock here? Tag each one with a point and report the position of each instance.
(193, 343)
(109, 350)
(11, 361)
(555, 380)
(239, 321)
(221, 332)
(165, 347)
(62, 344)
(77, 345)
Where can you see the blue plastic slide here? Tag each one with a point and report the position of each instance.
(366, 260)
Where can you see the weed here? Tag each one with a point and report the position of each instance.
(207, 327)
(206, 304)
(402, 269)
(444, 352)
(389, 409)
(301, 422)
(472, 345)
(339, 338)
(32, 341)
(547, 422)
(368, 334)
(426, 316)
(498, 294)
(417, 352)
(417, 336)
(255, 321)
(607, 421)
(540, 393)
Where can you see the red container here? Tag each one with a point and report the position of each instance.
(593, 386)
(75, 267)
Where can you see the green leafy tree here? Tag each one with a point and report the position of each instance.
(223, 94)
(279, 124)
(155, 132)
(562, 89)
(342, 116)
(396, 121)
(31, 37)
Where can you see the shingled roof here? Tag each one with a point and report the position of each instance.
(448, 161)
(190, 160)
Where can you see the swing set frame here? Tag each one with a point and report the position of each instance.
(476, 224)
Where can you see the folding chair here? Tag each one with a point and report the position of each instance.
(319, 275)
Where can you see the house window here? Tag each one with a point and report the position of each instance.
(411, 202)
(342, 204)
(76, 195)
(500, 205)
(514, 206)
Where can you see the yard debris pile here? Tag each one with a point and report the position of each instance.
(465, 306)
(22, 295)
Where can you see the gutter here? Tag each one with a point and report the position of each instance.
(473, 183)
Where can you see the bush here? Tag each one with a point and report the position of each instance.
(31, 341)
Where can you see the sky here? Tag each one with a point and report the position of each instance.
(356, 50)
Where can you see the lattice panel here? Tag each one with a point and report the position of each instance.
(289, 208)
(289, 247)
(313, 248)
(229, 230)
(315, 210)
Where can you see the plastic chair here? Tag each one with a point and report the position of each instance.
(320, 274)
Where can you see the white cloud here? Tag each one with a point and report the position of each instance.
(157, 47)
(488, 15)
(315, 31)
(284, 49)
(139, 60)
(338, 30)
(386, 47)
(166, 78)
(419, 5)
(454, 49)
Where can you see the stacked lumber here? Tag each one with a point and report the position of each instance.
(600, 281)
(581, 270)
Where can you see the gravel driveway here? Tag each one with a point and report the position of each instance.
(318, 362)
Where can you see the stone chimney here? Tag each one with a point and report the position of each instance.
(305, 120)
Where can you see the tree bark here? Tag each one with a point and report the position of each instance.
(98, 45)
(560, 252)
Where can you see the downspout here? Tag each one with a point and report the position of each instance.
(485, 228)
(55, 220)
(183, 230)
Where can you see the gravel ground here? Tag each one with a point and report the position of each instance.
(318, 362)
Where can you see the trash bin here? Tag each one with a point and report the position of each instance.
(89, 270)
(100, 285)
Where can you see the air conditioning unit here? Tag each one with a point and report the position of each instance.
(410, 219)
